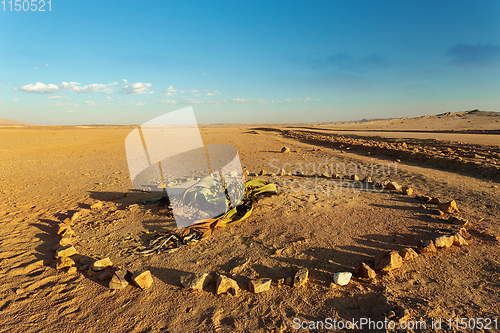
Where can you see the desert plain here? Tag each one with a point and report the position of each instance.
(315, 221)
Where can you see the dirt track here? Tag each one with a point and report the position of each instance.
(486, 139)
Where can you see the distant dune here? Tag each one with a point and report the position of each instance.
(7, 122)
(474, 120)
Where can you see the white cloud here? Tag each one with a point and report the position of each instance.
(247, 101)
(65, 104)
(305, 100)
(69, 111)
(132, 103)
(212, 93)
(92, 88)
(142, 88)
(123, 81)
(198, 101)
(50, 88)
(220, 102)
(40, 88)
(88, 89)
(69, 86)
(171, 91)
(137, 88)
(14, 99)
(169, 101)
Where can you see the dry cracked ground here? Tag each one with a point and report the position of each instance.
(325, 225)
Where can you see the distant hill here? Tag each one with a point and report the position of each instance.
(8, 122)
(473, 120)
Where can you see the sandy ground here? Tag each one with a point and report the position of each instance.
(48, 174)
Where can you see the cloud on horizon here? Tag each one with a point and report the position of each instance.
(42, 88)
(236, 101)
(475, 55)
(65, 104)
(305, 100)
(132, 103)
(142, 88)
(215, 102)
(212, 93)
(138, 88)
(171, 91)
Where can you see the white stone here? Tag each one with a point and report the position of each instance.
(342, 278)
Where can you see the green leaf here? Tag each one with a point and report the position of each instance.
(269, 188)
(257, 182)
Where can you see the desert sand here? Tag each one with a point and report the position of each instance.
(47, 174)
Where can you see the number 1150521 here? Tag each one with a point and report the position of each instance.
(26, 5)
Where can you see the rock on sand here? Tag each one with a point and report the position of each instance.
(260, 285)
(225, 284)
(196, 281)
(342, 278)
(388, 261)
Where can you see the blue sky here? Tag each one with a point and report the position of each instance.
(125, 62)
